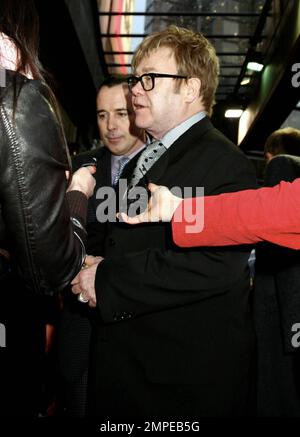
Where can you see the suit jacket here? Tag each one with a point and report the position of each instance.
(276, 310)
(174, 335)
(76, 320)
(96, 229)
(282, 262)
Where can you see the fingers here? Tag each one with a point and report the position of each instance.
(92, 303)
(91, 260)
(153, 187)
(146, 216)
(84, 171)
(84, 295)
(4, 253)
(84, 285)
(141, 218)
(76, 289)
(75, 280)
(98, 259)
(83, 181)
(91, 168)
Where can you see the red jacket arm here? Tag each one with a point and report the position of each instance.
(248, 216)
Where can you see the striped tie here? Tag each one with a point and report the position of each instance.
(122, 162)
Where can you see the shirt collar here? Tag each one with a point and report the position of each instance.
(116, 158)
(179, 130)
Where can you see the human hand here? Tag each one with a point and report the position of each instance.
(82, 180)
(161, 207)
(90, 260)
(4, 253)
(84, 283)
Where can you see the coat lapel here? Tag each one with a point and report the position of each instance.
(173, 154)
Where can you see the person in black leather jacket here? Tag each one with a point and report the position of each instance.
(35, 220)
(42, 229)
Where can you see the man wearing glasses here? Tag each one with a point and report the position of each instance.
(174, 337)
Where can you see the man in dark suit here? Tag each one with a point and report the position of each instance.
(277, 298)
(174, 335)
(121, 138)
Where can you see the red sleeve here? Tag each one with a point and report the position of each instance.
(249, 216)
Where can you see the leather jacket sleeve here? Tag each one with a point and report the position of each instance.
(48, 245)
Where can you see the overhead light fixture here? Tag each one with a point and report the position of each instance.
(254, 66)
(233, 113)
(256, 62)
(245, 81)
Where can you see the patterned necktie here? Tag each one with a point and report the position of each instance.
(149, 156)
(121, 163)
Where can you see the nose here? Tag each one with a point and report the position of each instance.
(111, 123)
(137, 89)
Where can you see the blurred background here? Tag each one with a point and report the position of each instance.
(257, 41)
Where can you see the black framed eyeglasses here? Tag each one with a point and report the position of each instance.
(148, 80)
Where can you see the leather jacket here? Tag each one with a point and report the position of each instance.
(35, 225)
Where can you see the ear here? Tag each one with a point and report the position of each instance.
(269, 156)
(193, 88)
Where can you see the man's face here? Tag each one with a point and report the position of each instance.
(116, 120)
(162, 108)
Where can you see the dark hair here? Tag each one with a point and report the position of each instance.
(114, 80)
(284, 141)
(20, 22)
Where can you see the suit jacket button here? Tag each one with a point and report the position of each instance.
(111, 242)
(125, 315)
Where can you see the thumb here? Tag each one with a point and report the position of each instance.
(92, 169)
(152, 187)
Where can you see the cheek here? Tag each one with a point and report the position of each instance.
(160, 110)
(123, 125)
(101, 126)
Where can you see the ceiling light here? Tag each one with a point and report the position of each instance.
(246, 81)
(255, 61)
(255, 66)
(233, 113)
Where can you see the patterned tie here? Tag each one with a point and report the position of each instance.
(150, 155)
(121, 163)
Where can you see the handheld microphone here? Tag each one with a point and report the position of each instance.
(93, 161)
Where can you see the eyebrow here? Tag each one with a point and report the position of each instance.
(114, 110)
(148, 70)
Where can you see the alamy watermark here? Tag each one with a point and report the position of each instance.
(2, 77)
(295, 340)
(296, 76)
(135, 201)
(2, 335)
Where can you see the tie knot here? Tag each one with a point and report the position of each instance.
(155, 144)
(146, 160)
(153, 149)
(123, 161)
(121, 164)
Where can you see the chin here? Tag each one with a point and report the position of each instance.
(141, 122)
(118, 151)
